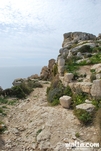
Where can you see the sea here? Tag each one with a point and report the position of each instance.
(9, 74)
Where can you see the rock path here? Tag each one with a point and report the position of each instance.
(34, 125)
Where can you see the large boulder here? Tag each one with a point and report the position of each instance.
(51, 64)
(61, 63)
(44, 73)
(65, 101)
(96, 89)
(87, 107)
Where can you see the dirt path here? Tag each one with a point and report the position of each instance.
(34, 125)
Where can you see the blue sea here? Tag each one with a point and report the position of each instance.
(8, 74)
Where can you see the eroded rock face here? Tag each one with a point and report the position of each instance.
(77, 36)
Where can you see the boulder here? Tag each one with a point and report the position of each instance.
(61, 61)
(97, 68)
(44, 73)
(65, 101)
(86, 106)
(81, 86)
(68, 77)
(96, 89)
(17, 82)
(51, 64)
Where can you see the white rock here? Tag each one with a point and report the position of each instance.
(65, 101)
(85, 106)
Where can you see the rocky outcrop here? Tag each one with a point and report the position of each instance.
(61, 63)
(47, 72)
(74, 37)
(44, 73)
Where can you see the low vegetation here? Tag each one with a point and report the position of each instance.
(56, 90)
(84, 117)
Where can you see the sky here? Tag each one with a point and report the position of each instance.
(31, 31)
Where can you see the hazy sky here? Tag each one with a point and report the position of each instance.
(31, 31)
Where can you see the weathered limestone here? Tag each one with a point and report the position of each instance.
(61, 63)
(65, 101)
(97, 67)
(77, 36)
(81, 86)
(68, 77)
(85, 106)
(96, 89)
(44, 73)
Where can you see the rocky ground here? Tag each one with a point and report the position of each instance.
(34, 125)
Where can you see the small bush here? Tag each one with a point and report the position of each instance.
(25, 88)
(56, 90)
(92, 77)
(3, 101)
(79, 98)
(54, 94)
(77, 135)
(83, 116)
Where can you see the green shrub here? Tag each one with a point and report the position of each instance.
(67, 91)
(79, 98)
(2, 111)
(77, 135)
(92, 70)
(2, 128)
(83, 116)
(3, 101)
(18, 92)
(25, 88)
(56, 90)
(54, 94)
(92, 77)
(97, 103)
(97, 122)
(55, 69)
